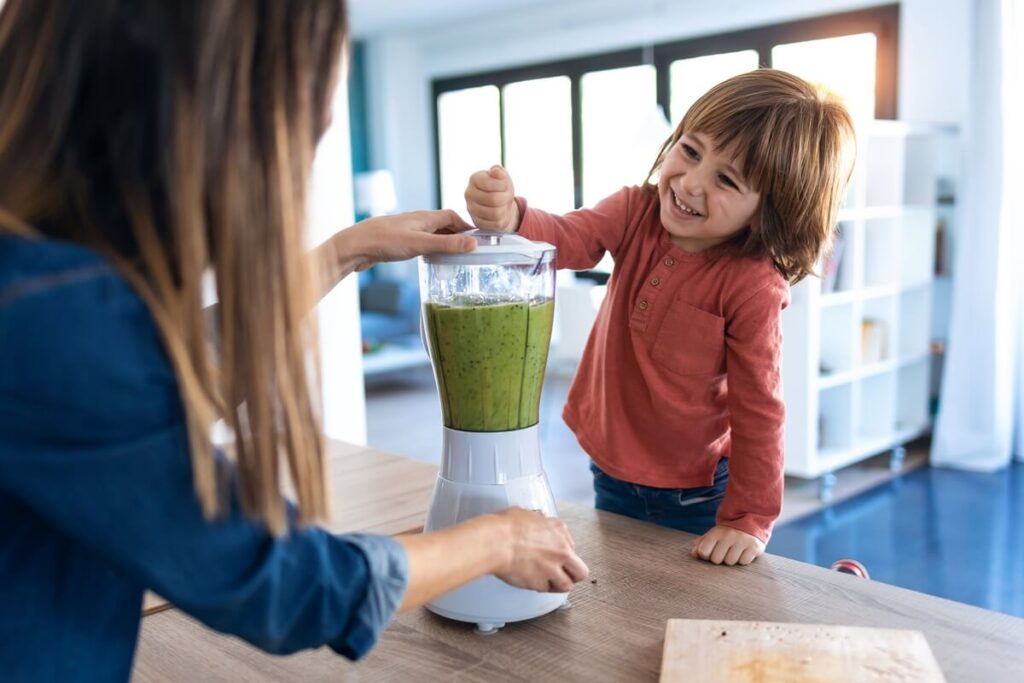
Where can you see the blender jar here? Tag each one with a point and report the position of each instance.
(487, 319)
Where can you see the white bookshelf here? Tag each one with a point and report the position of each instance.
(857, 360)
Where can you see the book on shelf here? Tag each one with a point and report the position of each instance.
(830, 271)
(872, 341)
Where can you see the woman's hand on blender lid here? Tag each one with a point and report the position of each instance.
(403, 236)
(491, 200)
(541, 553)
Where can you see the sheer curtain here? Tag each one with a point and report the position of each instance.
(981, 417)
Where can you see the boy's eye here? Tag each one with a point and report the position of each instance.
(690, 152)
(728, 181)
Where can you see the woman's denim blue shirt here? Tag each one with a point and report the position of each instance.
(97, 504)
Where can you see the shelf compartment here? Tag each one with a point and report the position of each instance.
(900, 170)
(917, 245)
(912, 387)
(837, 340)
(881, 251)
(832, 459)
(835, 418)
(876, 331)
(876, 416)
(915, 322)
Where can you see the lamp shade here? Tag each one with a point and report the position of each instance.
(375, 193)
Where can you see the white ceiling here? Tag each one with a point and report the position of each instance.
(376, 17)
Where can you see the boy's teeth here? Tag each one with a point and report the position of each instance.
(684, 207)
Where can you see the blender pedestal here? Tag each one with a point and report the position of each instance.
(484, 472)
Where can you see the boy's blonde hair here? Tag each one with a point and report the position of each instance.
(797, 145)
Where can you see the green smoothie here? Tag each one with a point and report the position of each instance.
(489, 361)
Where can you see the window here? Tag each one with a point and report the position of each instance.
(574, 131)
(845, 64)
(615, 102)
(468, 138)
(538, 141)
(691, 78)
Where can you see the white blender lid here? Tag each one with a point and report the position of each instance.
(495, 247)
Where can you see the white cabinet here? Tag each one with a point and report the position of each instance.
(857, 348)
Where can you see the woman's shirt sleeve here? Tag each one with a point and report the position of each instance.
(94, 441)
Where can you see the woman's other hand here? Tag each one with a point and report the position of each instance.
(523, 548)
(541, 554)
(392, 238)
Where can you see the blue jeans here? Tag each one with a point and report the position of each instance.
(690, 510)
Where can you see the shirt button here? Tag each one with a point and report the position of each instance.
(669, 261)
(655, 281)
(642, 305)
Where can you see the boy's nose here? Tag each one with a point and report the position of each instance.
(693, 185)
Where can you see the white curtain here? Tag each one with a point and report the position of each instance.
(980, 424)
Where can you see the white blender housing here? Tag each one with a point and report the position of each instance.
(487, 318)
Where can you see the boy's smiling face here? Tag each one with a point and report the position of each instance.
(704, 198)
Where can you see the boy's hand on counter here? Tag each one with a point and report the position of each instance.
(725, 545)
(491, 200)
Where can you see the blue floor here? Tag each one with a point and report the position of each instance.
(958, 535)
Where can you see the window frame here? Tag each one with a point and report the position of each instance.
(882, 20)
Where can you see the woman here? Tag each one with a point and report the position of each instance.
(142, 144)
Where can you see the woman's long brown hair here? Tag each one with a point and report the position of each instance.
(176, 138)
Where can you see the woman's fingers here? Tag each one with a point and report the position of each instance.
(560, 584)
(576, 569)
(432, 221)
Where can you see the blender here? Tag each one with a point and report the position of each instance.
(486, 323)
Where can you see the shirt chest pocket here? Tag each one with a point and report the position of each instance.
(690, 341)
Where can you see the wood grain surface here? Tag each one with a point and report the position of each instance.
(707, 650)
(641, 576)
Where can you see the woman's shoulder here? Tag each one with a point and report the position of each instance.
(34, 264)
(42, 278)
(78, 341)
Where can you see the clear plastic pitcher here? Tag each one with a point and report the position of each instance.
(487, 318)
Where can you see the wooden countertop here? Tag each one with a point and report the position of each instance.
(641, 576)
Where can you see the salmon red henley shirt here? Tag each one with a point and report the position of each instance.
(682, 366)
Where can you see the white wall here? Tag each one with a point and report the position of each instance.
(932, 72)
(935, 53)
(330, 208)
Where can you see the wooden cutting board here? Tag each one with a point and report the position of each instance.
(765, 652)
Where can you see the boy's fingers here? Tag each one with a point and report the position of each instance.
(489, 199)
(483, 213)
(482, 180)
(498, 172)
(706, 547)
(721, 548)
(734, 554)
(748, 556)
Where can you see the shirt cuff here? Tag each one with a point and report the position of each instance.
(388, 581)
(522, 206)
